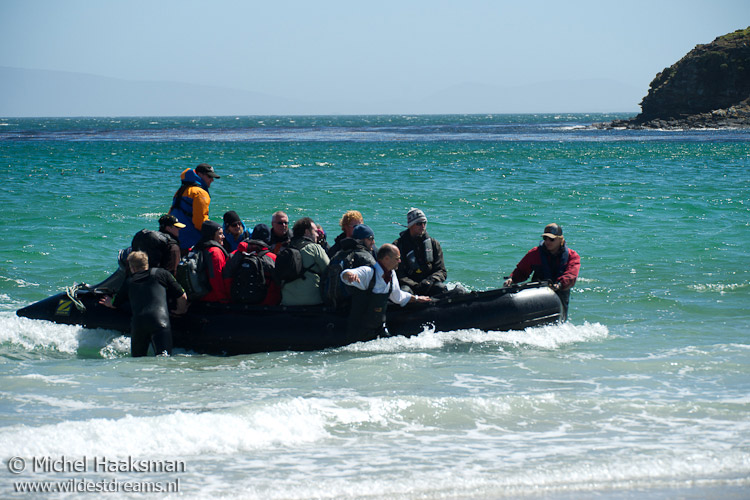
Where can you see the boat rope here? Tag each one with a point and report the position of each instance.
(71, 292)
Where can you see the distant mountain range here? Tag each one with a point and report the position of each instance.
(35, 93)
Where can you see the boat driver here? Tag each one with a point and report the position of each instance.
(551, 261)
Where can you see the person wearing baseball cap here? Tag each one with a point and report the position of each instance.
(191, 202)
(551, 261)
(170, 221)
(422, 271)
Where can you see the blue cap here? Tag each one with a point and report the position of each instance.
(362, 232)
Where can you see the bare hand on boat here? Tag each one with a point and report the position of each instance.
(106, 301)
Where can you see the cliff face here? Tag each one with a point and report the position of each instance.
(708, 87)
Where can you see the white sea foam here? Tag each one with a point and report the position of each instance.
(70, 339)
(21, 283)
(50, 379)
(181, 433)
(597, 476)
(721, 288)
(34, 334)
(252, 427)
(492, 454)
(548, 337)
(574, 127)
(56, 403)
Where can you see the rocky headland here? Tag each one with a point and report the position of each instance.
(708, 88)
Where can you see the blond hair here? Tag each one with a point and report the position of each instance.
(138, 261)
(351, 216)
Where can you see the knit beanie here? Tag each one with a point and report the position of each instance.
(415, 215)
(362, 231)
(231, 217)
(208, 229)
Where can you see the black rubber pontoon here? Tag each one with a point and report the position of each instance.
(228, 329)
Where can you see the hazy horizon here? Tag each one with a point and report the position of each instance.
(224, 57)
(40, 93)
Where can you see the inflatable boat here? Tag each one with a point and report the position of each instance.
(228, 329)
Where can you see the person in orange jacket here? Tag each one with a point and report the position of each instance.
(191, 202)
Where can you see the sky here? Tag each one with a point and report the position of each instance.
(350, 55)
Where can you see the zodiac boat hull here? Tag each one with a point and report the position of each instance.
(229, 329)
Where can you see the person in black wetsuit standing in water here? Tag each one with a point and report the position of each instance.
(149, 292)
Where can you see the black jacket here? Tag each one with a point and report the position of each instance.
(277, 244)
(414, 267)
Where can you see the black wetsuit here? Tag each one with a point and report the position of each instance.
(148, 292)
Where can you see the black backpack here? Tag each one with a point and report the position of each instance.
(248, 273)
(193, 276)
(154, 243)
(289, 265)
(335, 293)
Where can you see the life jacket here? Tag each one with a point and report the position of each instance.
(248, 272)
(154, 243)
(182, 208)
(148, 300)
(289, 265)
(333, 291)
(413, 261)
(367, 315)
(230, 242)
(546, 271)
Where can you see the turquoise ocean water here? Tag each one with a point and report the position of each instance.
(644, 393)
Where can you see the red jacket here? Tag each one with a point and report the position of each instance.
(220, 287)
(532, 263)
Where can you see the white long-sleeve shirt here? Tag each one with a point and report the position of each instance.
(365, 275)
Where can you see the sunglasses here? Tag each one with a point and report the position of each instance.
(548, 238)
(235, 224)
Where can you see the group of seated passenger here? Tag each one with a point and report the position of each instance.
(236, 253)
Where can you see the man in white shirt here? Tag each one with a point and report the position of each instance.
(370, 300)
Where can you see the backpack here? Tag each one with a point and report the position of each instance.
(289, 265)
(248, 275)
(333, 291)
(192, 274)
(154, 243)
